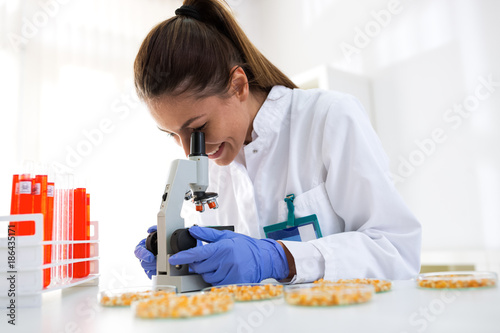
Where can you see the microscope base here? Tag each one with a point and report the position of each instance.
(183, 283)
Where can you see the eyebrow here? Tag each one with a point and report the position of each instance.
(186, 124)
(189, 121)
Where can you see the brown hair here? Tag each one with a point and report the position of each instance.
(187, 55)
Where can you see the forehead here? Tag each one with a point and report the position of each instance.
(172, 112)
(180, 105)
(171, 105)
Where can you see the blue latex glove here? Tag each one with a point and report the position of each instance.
(147, 259)
(233, 258)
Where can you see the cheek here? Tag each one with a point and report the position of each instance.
(228, 125)
(215, 133)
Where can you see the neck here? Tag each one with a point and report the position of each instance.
(256, 99)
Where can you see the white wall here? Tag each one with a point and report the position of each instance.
(428, 57)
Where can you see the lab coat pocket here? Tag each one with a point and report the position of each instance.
(316, 201)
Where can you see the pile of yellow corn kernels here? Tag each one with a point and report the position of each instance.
(379, 285)
(181, 306)
(455, 281)
(244, 293)
(328, 294)
(126, 298)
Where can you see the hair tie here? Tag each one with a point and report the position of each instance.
(188, 11)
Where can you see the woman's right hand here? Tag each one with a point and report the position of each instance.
(147, 259)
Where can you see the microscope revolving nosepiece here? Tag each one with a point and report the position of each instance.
(202, 198)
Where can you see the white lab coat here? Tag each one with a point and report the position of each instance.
(320, 146)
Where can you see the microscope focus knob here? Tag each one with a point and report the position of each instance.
(182, 240)
(152, 242)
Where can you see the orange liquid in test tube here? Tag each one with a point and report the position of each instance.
(14, 199)
(87, 234)
(40, 196)
(48, 227)
(25, 205)
(80, 232)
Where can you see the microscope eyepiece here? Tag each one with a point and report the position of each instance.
(197, 147)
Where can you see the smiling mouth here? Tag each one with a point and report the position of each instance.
(216, 152)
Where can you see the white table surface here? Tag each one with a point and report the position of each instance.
(404, 309)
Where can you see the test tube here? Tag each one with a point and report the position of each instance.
(25, 205)
(80, 220)
(14, 199)
(40, 201)
(26, 198)
(63, 228)
(47, 233)
(56, 232)
(69, 231)
(40, 195)
(87, 233)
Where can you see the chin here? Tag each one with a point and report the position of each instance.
(222, 162)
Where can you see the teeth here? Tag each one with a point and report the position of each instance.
(216, 150)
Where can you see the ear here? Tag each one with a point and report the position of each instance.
(239, 83)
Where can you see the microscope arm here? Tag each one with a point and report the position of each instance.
(182, 173)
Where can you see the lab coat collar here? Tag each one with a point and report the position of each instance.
(270, 116)
(266, 123)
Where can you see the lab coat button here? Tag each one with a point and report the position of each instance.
(255, 151)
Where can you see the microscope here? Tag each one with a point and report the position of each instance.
(187, 180)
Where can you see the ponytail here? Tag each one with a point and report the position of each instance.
(195, 51)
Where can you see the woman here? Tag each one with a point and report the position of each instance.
(268, 141)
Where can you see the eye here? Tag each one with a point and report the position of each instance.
(169, 134)
(200, 128)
